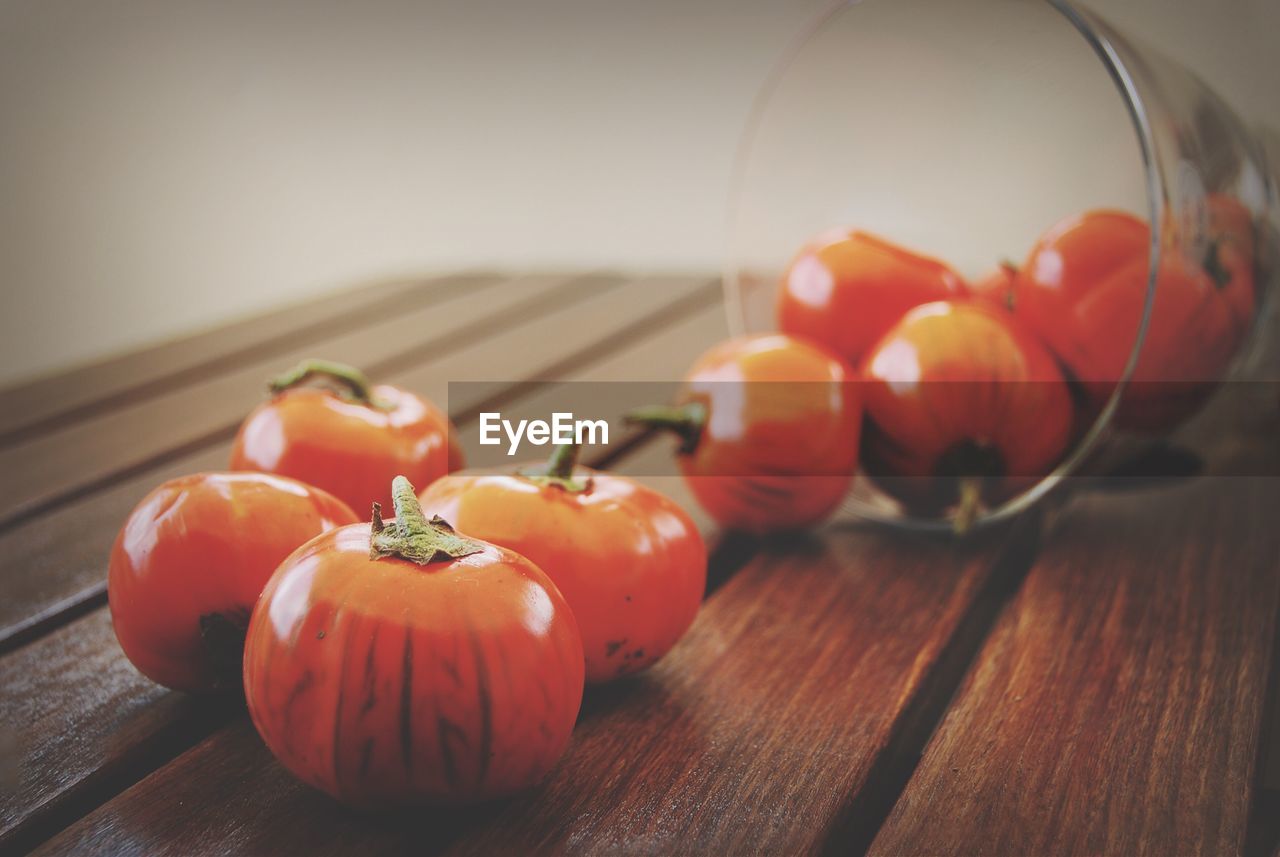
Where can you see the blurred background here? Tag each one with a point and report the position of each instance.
(169, 166)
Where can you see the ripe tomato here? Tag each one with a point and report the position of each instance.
(770, 426)
(846, 288)
(628, 560)
(405, 664)
(1083, 290)
(961, 406)
(192, 559)
(350, 438)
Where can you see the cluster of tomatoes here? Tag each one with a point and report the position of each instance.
(955, 396)
(399, 660)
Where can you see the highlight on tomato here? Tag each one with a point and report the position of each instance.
(769, 426)
(628, 560)
(846, 288)
(1083, 291)
(328, 426)
(403, 663)
(963, 408)
(191, 560)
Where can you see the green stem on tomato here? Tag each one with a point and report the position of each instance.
(558, 470)
(353, 384)
(412, 537)
(563, 460)
(686, 421)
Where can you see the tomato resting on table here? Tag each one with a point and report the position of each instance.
(962, 406)
(192, 559)
(846, 288)
(348, 437)
(770, 427)
(403, 663)
(1083, 289)
(628, 560)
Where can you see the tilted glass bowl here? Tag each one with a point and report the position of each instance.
(966, 130)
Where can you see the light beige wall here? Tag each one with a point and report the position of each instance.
(166, 164)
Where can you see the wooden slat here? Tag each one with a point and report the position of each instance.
(48, 572)
(760, 733)
(51, 573)
(602, 388)
(84, 718)
(1116, 708)
(51, 468)
(59, 399)
(56, 781)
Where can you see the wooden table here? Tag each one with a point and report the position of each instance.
(1090, 680)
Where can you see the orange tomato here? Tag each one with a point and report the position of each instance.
(192, 559)
(770, 427)
(403, 664)
(1083, 288)
(847, 287)
(628, 560)
(350, 438)
(962, 406)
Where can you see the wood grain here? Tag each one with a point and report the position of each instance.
(59, 777)
(49, 572)
(81, 716)
(65, 397)
(1116, 709)
(50, 468)
(757, 734)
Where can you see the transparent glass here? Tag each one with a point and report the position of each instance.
(964, 131)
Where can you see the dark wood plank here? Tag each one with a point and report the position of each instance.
(83, 718)
(55, 778)
(600, 386)
(762, 732)
(48, 469)
(1116, 708)
(49, 573)
(58, 399)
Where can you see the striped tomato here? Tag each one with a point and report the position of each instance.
(405, 664)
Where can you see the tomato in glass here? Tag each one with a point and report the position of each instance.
(962, 408)
(628, 560)
(769, 427)
(192, 559)
(402, 663)
(345, 435)
(1083, 291)
(847, 287)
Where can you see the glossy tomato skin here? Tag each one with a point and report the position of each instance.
(190, 562)
(383, 682)
(348, 448)
(628, 560)
(779, 446)
(1082, 291)
(958, 389)
(846, 288)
